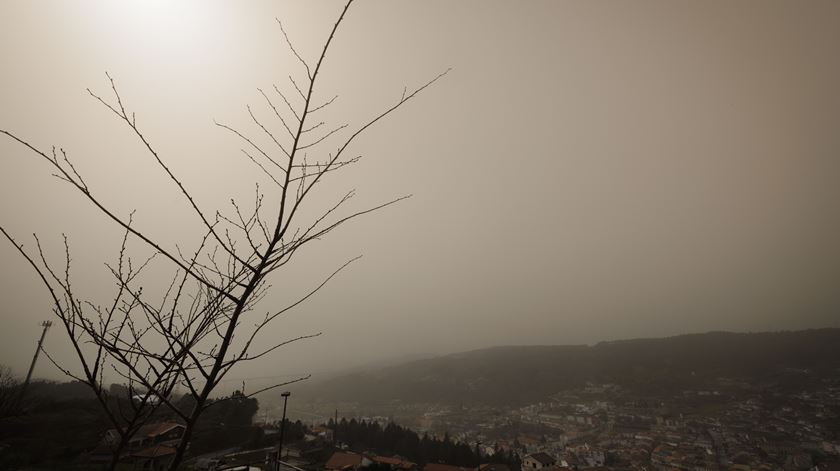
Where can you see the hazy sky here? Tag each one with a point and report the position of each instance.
(588, 171)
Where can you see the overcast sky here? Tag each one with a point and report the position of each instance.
(588, 171)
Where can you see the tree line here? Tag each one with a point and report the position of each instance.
(365, 436)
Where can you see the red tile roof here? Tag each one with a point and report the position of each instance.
(339, 461)
(153, 430)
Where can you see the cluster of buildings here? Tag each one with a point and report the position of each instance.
(725, 426)
(349, 461)
(152, 446)
(600, 427)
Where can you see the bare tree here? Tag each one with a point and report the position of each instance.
(206, 322)
(9, 392)
(88, 324)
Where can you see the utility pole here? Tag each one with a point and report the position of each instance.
(46, 325)
(282, 428)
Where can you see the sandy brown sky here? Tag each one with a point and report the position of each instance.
(588, 170)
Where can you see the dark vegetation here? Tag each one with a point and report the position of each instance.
(363, 436)
(50, 432)
(520, 375)
(59, 423)
(9, 392)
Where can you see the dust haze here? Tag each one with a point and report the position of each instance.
(587, 171)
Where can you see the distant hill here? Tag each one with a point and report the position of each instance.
(523, 374)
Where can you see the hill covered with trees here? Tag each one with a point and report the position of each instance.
(523, 374)
(392, 439)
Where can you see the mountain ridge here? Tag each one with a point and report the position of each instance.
(519, 374)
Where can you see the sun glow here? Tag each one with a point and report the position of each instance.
(162, 26)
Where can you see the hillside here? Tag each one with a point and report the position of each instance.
(522, 374)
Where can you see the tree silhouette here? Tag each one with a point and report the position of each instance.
(9, 392)
(204, 325)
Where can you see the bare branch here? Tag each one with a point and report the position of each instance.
(84, 190)
(132, 124)
(324, 105)
(308, 73)
(297, 87)
(277, 113)
(323, 137)
(266, 131)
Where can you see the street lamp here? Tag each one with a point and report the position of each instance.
(285, 395)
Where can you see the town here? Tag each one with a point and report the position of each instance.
(682, 407)
(730, 426)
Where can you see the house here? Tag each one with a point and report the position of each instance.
(162, 433)
(538, 461)
(341, 461)
(394, 462)
(570, 460)
(322, 432)
(590, 456)
(152, 445)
